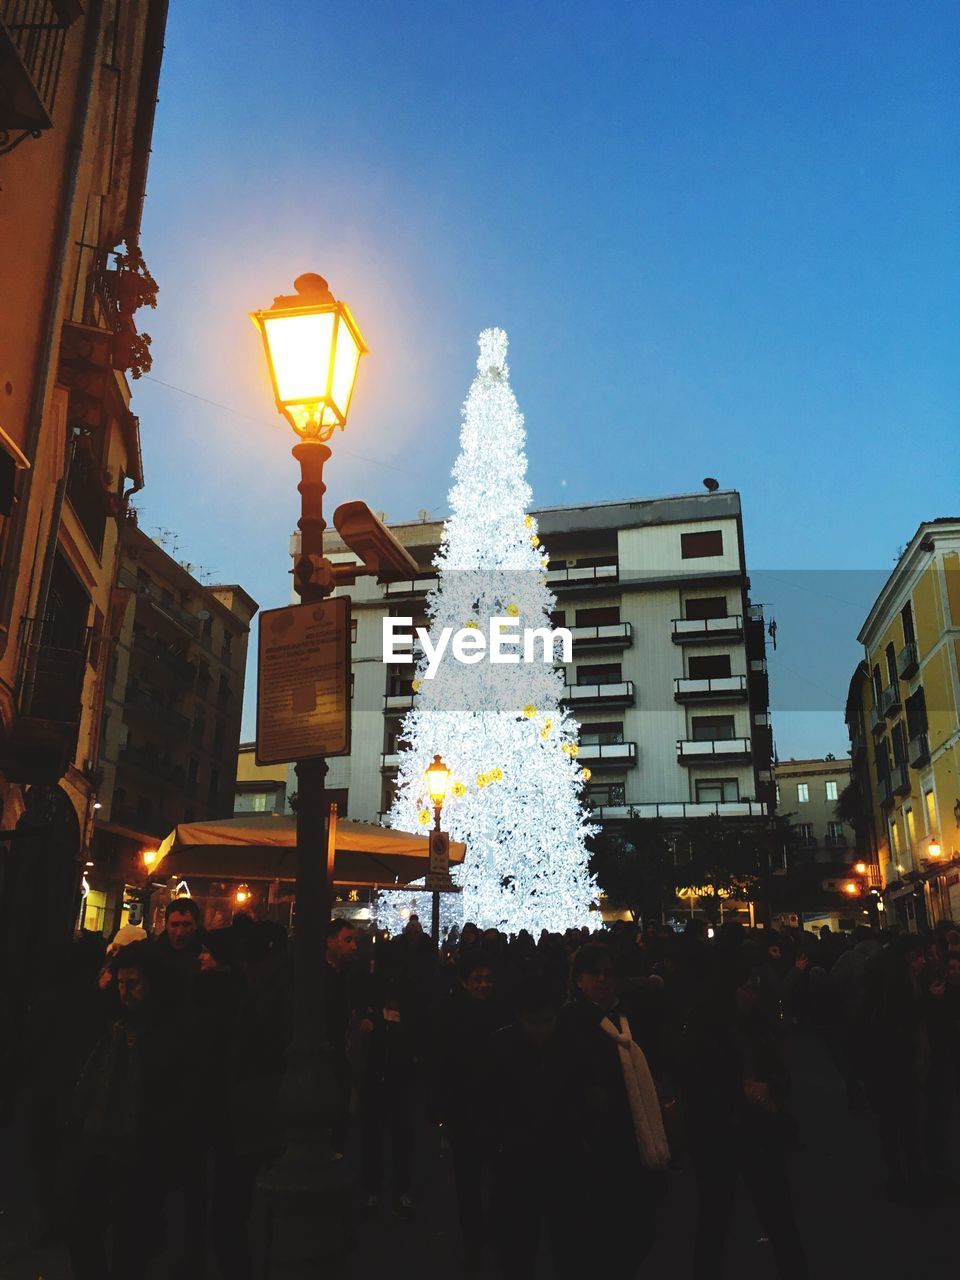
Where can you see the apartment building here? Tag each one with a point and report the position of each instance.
(78, 88)
(904, 725)
(668, 678)
(171, 719)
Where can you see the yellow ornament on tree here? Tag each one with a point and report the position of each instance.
(423, 817)
(482, 780)
(474, 625)
(496, 775)
(512, 611)
(415, 686)
(530, 711)
(528, 522)
(459, 789)
(587, 775)
(535, 540)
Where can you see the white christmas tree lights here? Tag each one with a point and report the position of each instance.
(512, 748)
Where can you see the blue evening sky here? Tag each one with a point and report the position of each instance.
(722, 238)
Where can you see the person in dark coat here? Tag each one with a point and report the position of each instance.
(617, 1186)
(537, 1151)
(387, 1097)
(737, 1126)
(120, 1119)
(465, 1023)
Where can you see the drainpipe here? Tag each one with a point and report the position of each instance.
(49, 347)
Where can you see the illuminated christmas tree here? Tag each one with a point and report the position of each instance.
(512, 749)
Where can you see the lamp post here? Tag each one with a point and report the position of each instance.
(313, 348)
(438, 779)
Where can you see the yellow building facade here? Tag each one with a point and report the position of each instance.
(904, 720)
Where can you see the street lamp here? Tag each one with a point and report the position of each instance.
(438, 779)
(933, 849)
(860, 868)
(313, 348)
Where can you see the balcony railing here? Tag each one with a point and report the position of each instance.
(575, 575)
(411, 586)
(877, 724)
(890, 699)
(150, 763)
(683, 810)
(607, 755)
(908, 662)
(615, 635)
(394, 702)
(918, 752)
(50, 673)
(885, 791)
(32, 37)
(162, 716)
(390, 760)
(621, 693)
(687, 630)
(900, 780)
(713, 750)
(836, 842)
(712, 689)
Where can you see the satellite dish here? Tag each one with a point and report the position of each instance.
(710, 484)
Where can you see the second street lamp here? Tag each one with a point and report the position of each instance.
(438, 780)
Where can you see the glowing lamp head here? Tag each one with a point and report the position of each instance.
(933, 849)
(150, 858)
(860, 868)
(438, 779)
(313, 348)
(242, 895)
(850, 888)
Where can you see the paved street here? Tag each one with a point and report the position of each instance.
(849, 1227)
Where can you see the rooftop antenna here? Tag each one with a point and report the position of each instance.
(423, 515)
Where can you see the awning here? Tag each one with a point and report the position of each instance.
(262, 846)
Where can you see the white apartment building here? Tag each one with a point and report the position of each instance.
(668, 678)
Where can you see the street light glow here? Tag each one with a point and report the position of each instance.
(313, 347)
(438, 779)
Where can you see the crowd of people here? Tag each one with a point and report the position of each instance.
(568, 1074)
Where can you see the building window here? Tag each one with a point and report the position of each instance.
(606, 793)
(911, 823)
(835, 834)
(803, 793)
(602, 733)
(895, 838)
(694, 546)
(930, 807)
(716, 790)
(708, 666)
(558, 618)
(831, 789)
(600, 673)
(705, 607)
(353, 630)
(778, 793)
(906, 617)
(891, 655)
(604, 617)
(712, 728)
(804, 834)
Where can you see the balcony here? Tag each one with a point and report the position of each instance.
(890, 700)
(411, 587)
(164, 718)
(703, 809)
(616, 635)
(918, 752)
(713, 751)
(709, 630)
(606, 695)
(885, 792)
(51, 669)
(32, 37)
(900, 780)
(577, 576)
(758, 667)
(836, 842)
(395, 703)
(908, 661)
(711, 689)
(877, 725)
(858, 745)
(390, 760)
(150, 763)
(608, 755)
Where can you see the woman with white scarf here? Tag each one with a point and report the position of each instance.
(620, 1115)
